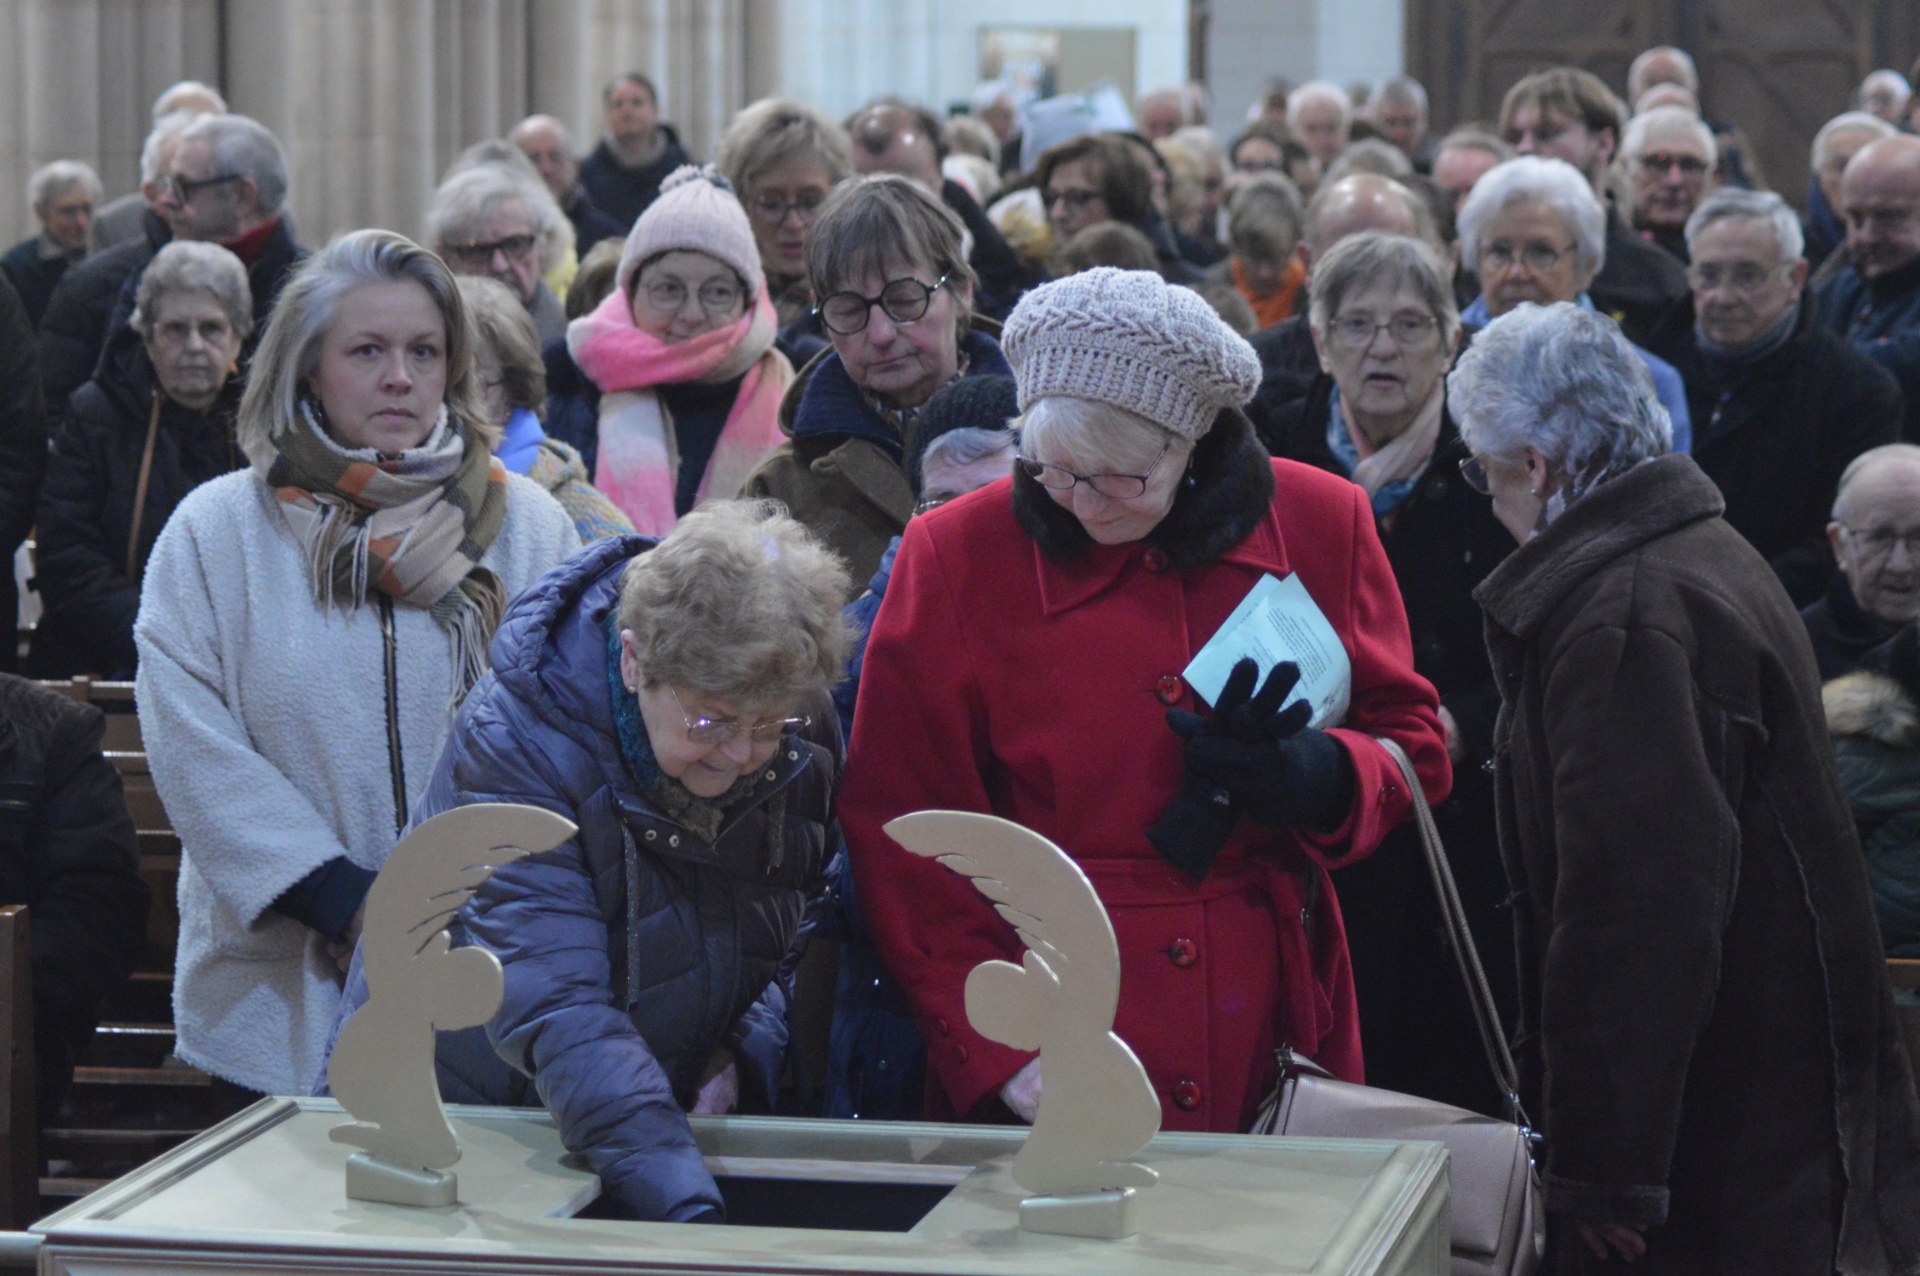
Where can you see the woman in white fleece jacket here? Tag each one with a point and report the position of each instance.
(307, 628)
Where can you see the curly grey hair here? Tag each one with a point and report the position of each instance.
(185, 266)
(1529, 179)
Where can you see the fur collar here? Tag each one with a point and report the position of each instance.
(1222, 499)
(1865, 703)
(1614, 519)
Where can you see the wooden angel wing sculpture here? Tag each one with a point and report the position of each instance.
(382, 1065)
(1097, 1107)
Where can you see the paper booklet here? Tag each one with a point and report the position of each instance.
(1279, 621)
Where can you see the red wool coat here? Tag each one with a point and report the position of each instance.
(999, 679)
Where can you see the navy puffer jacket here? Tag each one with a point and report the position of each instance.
(637, 948)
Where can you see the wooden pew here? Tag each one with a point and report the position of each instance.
(19, 1138)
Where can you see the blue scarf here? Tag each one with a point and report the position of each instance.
(1390, 497)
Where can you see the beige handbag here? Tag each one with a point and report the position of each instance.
(1498, 1224)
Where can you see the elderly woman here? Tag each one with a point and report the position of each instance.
(887, 261)
(783, 160)
(1108, 177)
(1383, 321)
(1707, 1039)
(307, 627)
(155, 422)
(1532, 230)
(670, 700)
(500, 222)
(513, 387)
(1024, 664)
(675, 381)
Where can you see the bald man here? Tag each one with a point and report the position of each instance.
(1874, 304)
(544, 140)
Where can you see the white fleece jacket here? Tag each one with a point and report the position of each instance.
(265, 721)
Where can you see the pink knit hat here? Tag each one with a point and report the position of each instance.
(695, 211)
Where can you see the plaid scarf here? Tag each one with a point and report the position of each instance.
(414, 527)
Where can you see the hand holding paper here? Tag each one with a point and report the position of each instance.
(1277, 770)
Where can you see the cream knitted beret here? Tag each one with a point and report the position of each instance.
(695, 211)
(1130, 339)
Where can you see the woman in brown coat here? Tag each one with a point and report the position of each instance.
(1706, 1033)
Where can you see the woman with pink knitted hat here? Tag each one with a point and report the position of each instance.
(680, 382)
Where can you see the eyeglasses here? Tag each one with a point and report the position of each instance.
(1356, 332)
(184, 191)
(717, 297)
(476, 255)
(1074, 200)
(1878, 542)
(1475, 474)
(1539, 258)
(1115, 487)
(1742, 277)
(773, 210)
(904, 300)
(177, 332)
(709, 732)
(1660, 163)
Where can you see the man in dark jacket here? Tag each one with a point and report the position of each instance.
(63, 195)
(23, 456)
(67, 851)
(544, 141)
(1875, 535)
(1780, 405)
(1874, 304)
(624, 172)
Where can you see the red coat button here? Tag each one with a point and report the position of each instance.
(1154, 560)
(1169, 689)
(1186, 1095)
(940, 1026)
(959, 1054)
(1183, 953)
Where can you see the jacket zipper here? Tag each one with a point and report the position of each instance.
(396, 763)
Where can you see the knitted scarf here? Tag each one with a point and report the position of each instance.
(413, 527)
(1390, 471)
(639, 464)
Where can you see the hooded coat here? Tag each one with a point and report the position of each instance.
(1707, 1037)
(1017, 669)
(634, 950)
(1876, 744)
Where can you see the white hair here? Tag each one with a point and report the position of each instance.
(249, 149)
(1529, 179)
(1127, 441)
(185, 266)
(1667, 121)
(1320, 91)
(465, 201)
(533, 122)
(1845, 122)
(1685, 60)
(160, 139)
(170, 99)
(1564, 382)
(56, 179)
(1887, 77)
(1732, 203)
(1401, 89)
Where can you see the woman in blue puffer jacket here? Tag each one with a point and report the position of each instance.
(670, 699)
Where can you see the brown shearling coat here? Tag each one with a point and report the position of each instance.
(1706, 1037)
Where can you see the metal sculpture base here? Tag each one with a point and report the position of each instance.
(1105, 1216)
(371, 1179)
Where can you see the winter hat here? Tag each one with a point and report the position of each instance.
(1130, 339)
(696, 211)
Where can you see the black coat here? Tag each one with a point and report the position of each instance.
(590, 224)
(67, 851)
(1844, 634)
(86, 510)
(74, 329)
(1289, 369)
(23, 454)
(33, 276)
(623, 193)
(1416, 1024)
(1003, 277)
(1774, 436)
(1638, 283)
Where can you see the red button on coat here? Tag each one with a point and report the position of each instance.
(1183, 953)
(940, 1026)
(1154, 560)
(959, 1054)
(1186, 1095)
(1169, 689)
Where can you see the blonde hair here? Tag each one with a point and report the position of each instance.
(503, 328)
(740, 603)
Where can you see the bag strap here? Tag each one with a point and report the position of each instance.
(1493, 1038)
(140, 492)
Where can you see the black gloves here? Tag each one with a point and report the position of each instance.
(1248, 757)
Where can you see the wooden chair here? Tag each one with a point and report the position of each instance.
(20, 1136)
(1904, 975)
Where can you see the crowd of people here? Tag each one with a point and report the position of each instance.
(733, 510)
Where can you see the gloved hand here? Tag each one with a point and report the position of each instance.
(1277, 770)
(1200, 819)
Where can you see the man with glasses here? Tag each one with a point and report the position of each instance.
(495, 223)
(1780, 405)
(1875, 535)
(1875, 302)
(1670, 160)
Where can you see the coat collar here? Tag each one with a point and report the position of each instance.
(1222, 513)
(1615, 518)
(823, 401)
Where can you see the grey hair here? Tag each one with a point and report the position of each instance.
(1530, 179)
(533, 122)
(169, 100)
(1374, 256)
(160, 138)
(463, 203)
(741, 603)
(51, 181)
(1872, 458)
(1320, 90)
(290, 350)
(1370, 155)
(1679, 55)
(1475, 139)
(1401, 89)
(968, 444)
(1845, 122)
(1667, 121)
(189, 266)
(247, 147)
(1565, 382)
(1731, 202)
(1083, 428)
(1264, 218)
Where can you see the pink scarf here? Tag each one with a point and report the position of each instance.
(638, 466)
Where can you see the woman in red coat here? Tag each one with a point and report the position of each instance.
(1025, 663)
